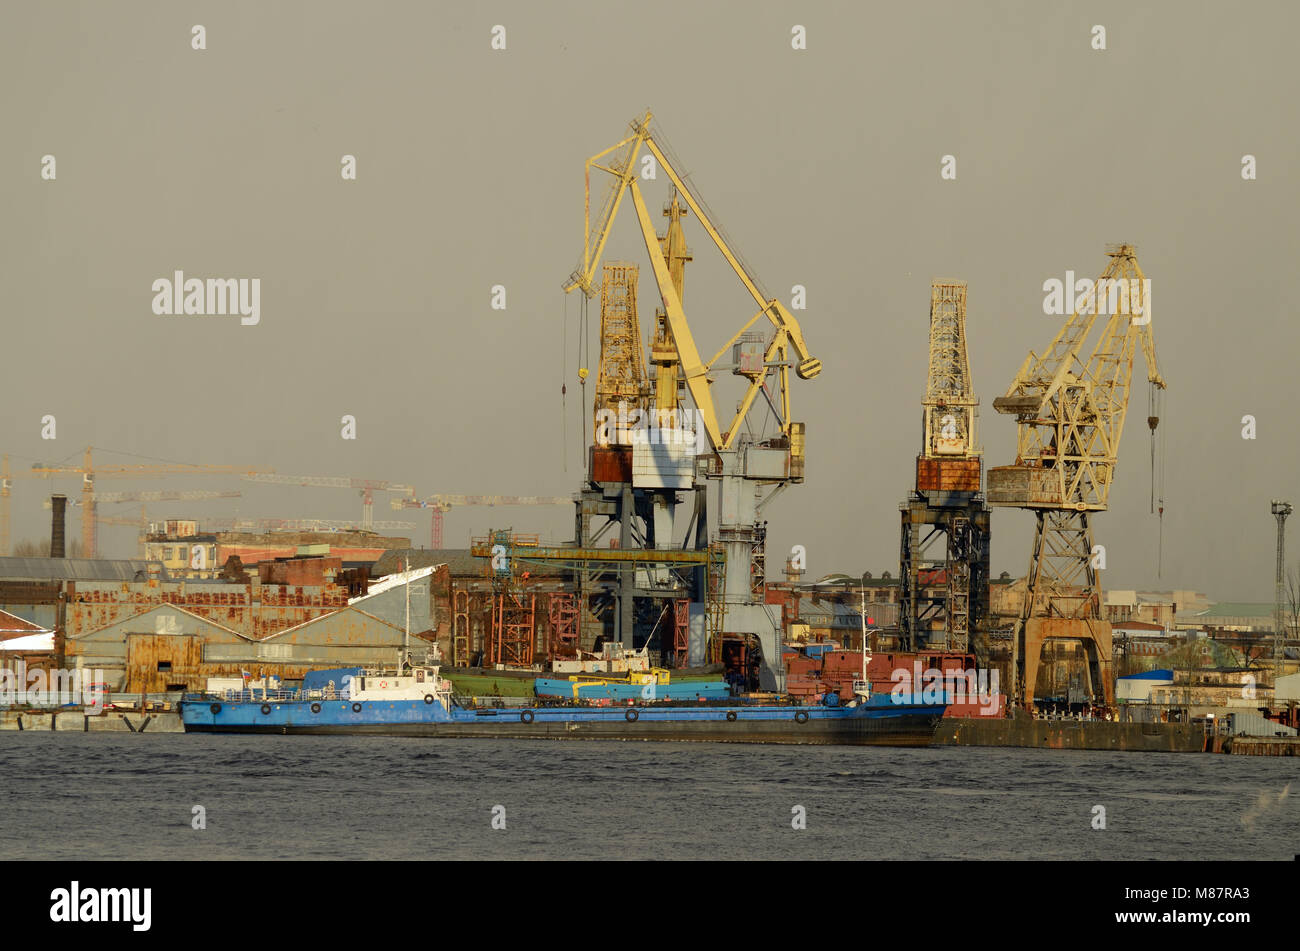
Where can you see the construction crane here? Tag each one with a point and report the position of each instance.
(743, 463)
(106, 498)
(1070, 409)
(438, 504)
(945, 531)
(89, 472)
(158, 495)
(141, 524)
(311, 525)
(367, 488)
(6, 484)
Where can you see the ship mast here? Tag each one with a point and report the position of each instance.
(863, 689)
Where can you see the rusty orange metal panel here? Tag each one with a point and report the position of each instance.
(611, 464)
(947, 475)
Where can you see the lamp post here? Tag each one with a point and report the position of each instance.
(1280, 511)
(863, 687)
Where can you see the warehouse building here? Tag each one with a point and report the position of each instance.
(168, 649)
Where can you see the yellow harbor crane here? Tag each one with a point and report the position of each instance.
(621, 382)
(945, 530)
(786, 344)
(1070, 409)
(743, 463)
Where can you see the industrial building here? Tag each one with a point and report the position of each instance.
(169, 649)
(187, 551)
(668, 551)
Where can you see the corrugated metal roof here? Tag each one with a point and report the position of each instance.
(459, 560)
(14, 568)
(11, 625)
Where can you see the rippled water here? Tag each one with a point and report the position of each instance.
(78, 796)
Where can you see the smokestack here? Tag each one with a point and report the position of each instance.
(57, 549)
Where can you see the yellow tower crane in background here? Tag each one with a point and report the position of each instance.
(156, 495)
(437, 504)
(1070, 410)
(89, 472)
(366, 488)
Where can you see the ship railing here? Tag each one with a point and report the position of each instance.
(324, 693)
(260, 694)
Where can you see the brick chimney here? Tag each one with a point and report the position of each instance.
(58, 545)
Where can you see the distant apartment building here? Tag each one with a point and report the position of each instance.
(182, 549)
(1243, 616)
(1152, 607)
(1142, 639)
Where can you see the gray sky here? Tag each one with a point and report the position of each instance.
(822, 164)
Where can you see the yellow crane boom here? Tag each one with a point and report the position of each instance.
(1070, 408)
(786, 346)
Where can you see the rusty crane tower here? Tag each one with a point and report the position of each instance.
(944, 554)
(639, 487)
(1070, 408)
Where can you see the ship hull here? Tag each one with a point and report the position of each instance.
(1072, 735)
(869, 726)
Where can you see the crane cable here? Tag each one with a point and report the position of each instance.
(564, 386)
(584, 354)
(1164, 455)
(1153, 422)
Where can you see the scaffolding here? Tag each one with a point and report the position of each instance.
(460, 628)
(562, 610)
(514, 628)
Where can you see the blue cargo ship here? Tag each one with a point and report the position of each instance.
(416, 701)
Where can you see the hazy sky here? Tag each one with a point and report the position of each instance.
(823, 165)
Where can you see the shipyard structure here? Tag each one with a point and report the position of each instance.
(668, 553)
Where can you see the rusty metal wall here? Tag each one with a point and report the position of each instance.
(131, 650)
(145, 652)
(256, 611)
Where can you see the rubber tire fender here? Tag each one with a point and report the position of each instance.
(526, 716)
(731, 716)
(266, 709)
(356, 708)
(801, 716)
(428, 698)
(215, 708)
(315, 708)
(631, 716)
